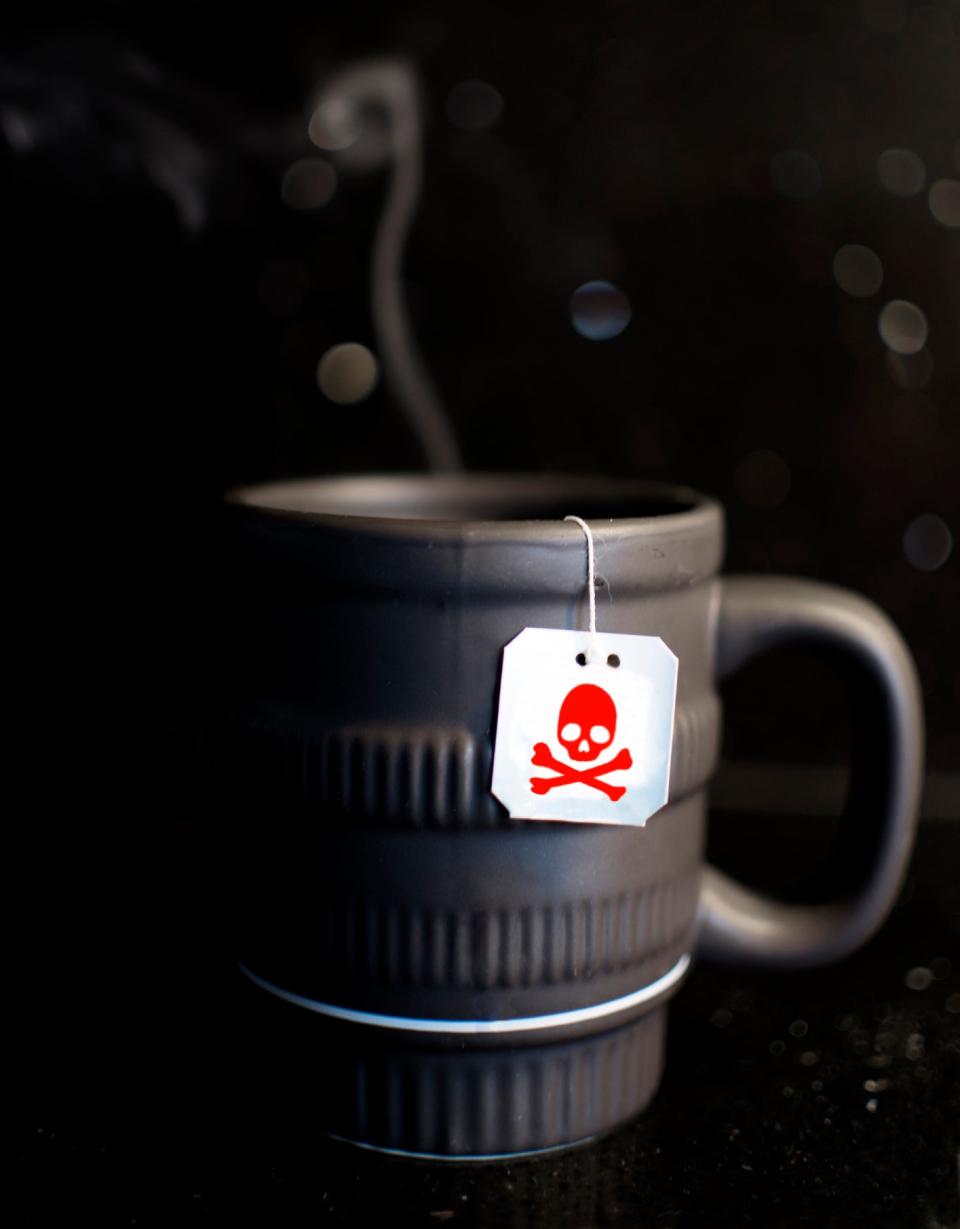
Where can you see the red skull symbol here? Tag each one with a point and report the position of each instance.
(587, 722)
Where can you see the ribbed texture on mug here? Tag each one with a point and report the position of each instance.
(696, 744)
(482, 1103)
(523, 946)
(440, 779)
(427, 777)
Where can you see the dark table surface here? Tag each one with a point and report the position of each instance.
(821, 1098)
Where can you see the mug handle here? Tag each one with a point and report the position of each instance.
(737, 924)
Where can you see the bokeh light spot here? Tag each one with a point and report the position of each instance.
(795, 174)
(308, 184)
(347, 373)
(901, 172)
(599, 311)
(903, 327)
(335, 124)
(763, 479)
(20, 129)
(474, 105)
(928, 542)
(858, 270)
(945, 201)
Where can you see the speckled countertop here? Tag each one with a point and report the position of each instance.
(825, 1098)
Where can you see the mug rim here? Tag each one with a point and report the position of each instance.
(678, 507)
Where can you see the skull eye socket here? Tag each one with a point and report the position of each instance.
(570, 732)
(599, 734)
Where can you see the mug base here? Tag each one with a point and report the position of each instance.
(477, 1158)
(456, 1103)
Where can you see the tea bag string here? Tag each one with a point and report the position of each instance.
(591, 582)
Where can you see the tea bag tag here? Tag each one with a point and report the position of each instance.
(585, 724)
(584, 742)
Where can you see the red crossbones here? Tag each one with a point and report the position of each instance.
(543, 758)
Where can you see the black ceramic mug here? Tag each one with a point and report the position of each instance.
(469, 985)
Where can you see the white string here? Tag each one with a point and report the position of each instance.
(591, 580)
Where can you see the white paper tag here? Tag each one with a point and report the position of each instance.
(585, 726)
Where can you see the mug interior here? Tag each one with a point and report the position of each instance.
(470, 497)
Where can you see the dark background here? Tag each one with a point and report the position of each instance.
(166, 311)
(169, 310)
